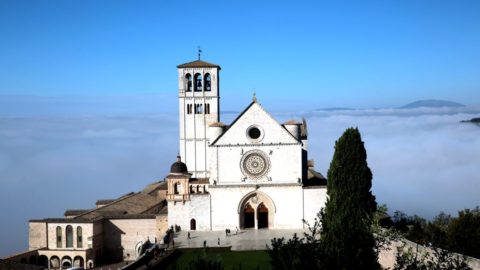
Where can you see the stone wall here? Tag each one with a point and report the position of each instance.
(87, 231)
(314, 198)
(123, 237)
(37, 235)
(198, 208)
(387, 257)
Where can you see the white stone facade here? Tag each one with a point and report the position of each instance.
(255, 170)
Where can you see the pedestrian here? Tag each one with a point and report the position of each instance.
(188, 235)
(173, 243)
(218, 241)
(226, 232)
(204, 243)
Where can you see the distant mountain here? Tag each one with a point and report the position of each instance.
(432, 103)
(335, 109)
(473, 120)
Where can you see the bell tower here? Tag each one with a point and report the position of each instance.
(198, 97)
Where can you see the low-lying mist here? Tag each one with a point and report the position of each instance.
(423, 161)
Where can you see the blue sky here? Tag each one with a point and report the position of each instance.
(329, 54)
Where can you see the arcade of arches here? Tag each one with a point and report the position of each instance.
(56, 262)
(256, 211)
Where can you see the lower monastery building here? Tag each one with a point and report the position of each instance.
(251, 174)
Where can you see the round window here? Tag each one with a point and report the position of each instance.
(254, 133)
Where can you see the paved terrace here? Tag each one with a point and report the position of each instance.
(243, 240)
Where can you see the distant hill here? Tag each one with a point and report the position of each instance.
(473, 120)
(335, 109)
(432, 103)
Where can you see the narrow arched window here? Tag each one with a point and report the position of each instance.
(79, 237)
(59, 237)
(188, 82)
(69, 236)
(208, 82)
(175, 188)
(198, 82)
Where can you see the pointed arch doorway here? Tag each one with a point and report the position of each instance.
(256, 210)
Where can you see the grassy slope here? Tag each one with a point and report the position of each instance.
(230, 259)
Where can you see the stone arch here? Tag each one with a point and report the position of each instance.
(69, 236)
(78, 261)
(138, 248)
(255, 199)
(66, 262)
(32, 259)
(208, 82)
(197, 78)
(90, 264)
(42, 261)
(54, 262)
(193, 224)
(188, 82)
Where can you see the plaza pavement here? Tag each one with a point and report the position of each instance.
(249, 239)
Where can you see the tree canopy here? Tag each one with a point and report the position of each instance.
(347, 239)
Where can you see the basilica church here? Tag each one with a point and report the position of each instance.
(251, 174)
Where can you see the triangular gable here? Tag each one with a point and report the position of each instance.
(255, 115)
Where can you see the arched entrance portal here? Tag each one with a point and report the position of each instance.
(262, 216)
(249, 217)
(256, 210)
(193, 224)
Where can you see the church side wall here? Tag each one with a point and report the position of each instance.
(121, 236)
(198, 208)
(315, 199)
(37, 235)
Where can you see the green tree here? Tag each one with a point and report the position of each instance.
(464, 233)
(347, 239)
(298, 253)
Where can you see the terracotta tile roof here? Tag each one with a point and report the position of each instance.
(136, 203)
(198, 64)
(62, 220)
(314, 178)
(103, 202)
(160, 185)
(75, 212)
(199, 180)
(292, 122)
(217, 124)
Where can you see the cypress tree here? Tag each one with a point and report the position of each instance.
(347, 239)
